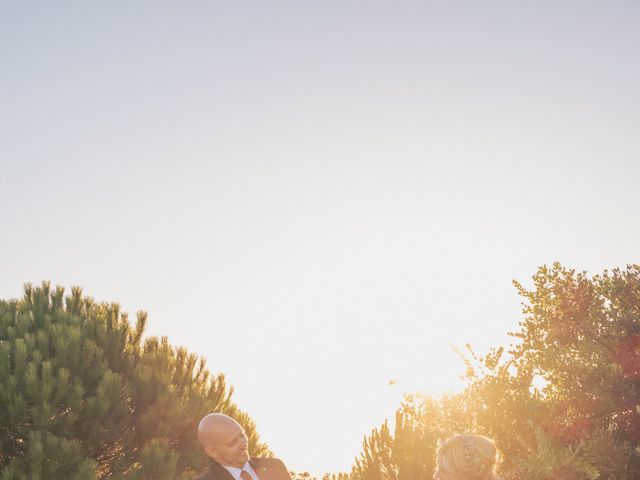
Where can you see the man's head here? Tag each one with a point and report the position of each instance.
(224, 440)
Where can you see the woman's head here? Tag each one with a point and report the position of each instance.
(466, 457)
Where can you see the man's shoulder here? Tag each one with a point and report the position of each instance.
(273, 467)
(206, 475)
(270, 464)
(213, 472)
(264, 461)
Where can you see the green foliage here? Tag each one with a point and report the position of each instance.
(403, 455)
(83, 396)
(563, 403)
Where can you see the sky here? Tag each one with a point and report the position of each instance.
(318, 197)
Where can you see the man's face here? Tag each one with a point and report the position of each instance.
(231, 446)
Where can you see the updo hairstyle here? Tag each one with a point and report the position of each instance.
(468, 457)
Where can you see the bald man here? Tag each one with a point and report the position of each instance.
(225, 442)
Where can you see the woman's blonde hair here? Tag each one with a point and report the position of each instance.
(468, 457)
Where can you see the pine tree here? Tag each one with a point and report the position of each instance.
(83, 396)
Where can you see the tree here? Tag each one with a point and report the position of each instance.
(404, 454)
(84, 396)
(562, 403)
(580, 336)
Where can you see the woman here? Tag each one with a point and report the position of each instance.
(467, 457)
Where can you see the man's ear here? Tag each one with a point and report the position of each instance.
(211, 451)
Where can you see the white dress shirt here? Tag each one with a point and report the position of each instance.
(235, 472)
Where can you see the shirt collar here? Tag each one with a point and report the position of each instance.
(235, 471)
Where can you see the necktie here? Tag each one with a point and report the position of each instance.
(245, 475)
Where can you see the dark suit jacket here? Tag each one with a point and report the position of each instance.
(266, 468)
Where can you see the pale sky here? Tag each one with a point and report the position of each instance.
(318, 197)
